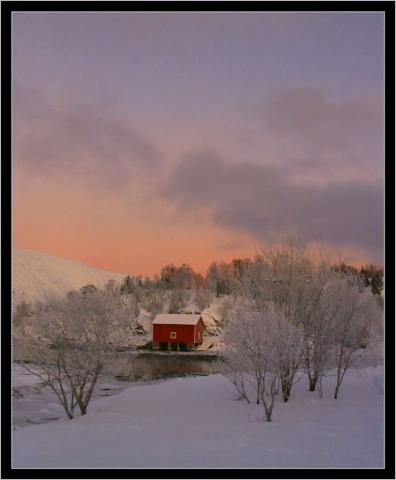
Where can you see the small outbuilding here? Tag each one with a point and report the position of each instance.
(177, 331)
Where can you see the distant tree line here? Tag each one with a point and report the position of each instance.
(224, 278)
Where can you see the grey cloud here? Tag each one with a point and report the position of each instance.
(321, 122)
(91, 143)
(263, 201)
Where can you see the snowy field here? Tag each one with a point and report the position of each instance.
(197, 422)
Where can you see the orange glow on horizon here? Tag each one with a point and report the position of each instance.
(101, 232)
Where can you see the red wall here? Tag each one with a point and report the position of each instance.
(184, 333)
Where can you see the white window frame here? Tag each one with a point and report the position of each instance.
(172, 335)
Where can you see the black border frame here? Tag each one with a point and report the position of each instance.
(388, 7)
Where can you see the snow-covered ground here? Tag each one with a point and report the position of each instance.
(197, 423)
(22, 378)
(34, 403)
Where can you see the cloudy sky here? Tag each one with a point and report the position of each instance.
(141, 139)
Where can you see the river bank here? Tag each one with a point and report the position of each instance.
(34, 403)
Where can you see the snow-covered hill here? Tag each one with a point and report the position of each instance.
(36, 276)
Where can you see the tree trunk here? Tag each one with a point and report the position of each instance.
(338, 383)
(287, 383)
(320, 387)
(286, 387)
(312, 384)
(339, 368)
(336, 392)
(268, 408)
(313, 378)
(258, 391)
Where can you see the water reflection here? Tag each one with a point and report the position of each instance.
(152, 366)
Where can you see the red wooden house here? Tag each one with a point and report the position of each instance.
(177, 331)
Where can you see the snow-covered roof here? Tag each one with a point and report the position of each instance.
(176, 319)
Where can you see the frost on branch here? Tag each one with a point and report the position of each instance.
(260, 346)
(74, 341)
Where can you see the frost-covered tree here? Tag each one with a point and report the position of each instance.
(233, 369)
(356, 312)
(184, 278)
(74, 340)
(250, 355)
(326, 307)
(20, 313)
(178, 300)
(373, 277)
(203, 298)
(88, 290)
(127, 286)
(180, 278)
(113, 288)
(167, 276)
(240, 266)
(263, 343)
(283, 278)
(318, 322)
(225, 310)
(154, 302)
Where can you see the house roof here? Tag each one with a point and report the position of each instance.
(176, 319)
